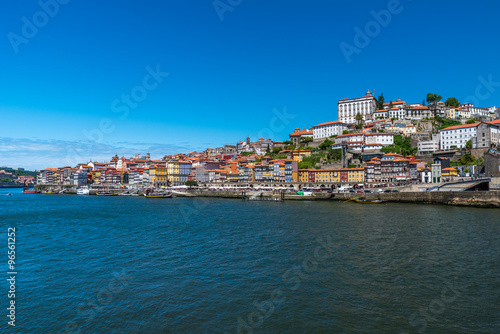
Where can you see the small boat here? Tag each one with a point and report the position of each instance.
(30, 191)
(351, 199)
(362, 200)
(8, 194)
(106, 194)
(158, 195)
(83, 191)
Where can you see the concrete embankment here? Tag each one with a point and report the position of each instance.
(258, 194)
(480, 199)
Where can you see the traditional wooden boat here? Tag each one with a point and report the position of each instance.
(351, 199)
(363, 200)
(106, 194)
(158, 195)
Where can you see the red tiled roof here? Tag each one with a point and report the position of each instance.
(473, 125)
(300, 133)
(328, 123)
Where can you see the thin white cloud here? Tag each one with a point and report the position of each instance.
(38, 154)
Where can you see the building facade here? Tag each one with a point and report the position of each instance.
(349, 108)
(457, 136)
(325, 130)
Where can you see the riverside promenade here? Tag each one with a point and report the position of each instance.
(479, 199)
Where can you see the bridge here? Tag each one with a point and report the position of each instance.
(468, 185)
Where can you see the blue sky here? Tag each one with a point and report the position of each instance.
(62, 84)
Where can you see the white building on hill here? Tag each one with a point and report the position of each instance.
(349, 108)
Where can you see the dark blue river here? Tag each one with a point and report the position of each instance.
(91, 264)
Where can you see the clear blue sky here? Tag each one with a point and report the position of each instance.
(225, 76)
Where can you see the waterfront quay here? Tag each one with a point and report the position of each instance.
(448, 195)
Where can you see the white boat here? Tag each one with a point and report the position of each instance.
(83, 191)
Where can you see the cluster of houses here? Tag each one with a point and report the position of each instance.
(9, 177)
(235, 168)
(360, 129)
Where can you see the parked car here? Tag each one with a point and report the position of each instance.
(387, 190)
(351, 191)
(395, 191)
(377, 191)
(360, 191)
(368, 191)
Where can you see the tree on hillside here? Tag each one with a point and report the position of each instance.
(391, 105)
(468, 144)
(306, 139)
(326, 144)
(380, 102)
(359, 118)
(434, 99)
(345, 132)
(471, 121)
(452, 102)
(467, 159)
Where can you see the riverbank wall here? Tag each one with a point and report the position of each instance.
(482, 199)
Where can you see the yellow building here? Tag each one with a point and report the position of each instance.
(408, 130)
(300, 155)
(173, 172)
(450, 113)
(450, 172)
(158, 175)
(356, 175)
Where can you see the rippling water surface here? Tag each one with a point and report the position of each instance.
(91, 264)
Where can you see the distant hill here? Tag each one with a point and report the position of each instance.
(18, 172)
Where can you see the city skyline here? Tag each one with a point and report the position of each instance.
(169, 78)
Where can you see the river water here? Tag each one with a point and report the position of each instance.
(92, 264)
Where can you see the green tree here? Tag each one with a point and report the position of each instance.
(391, 105)
(467, 159)
(191, 183)
(452, 102)
(334, 155)
(359, 118)
(288, 142)
(345, 132)
(468, 144)
(326, 144)
(471, 121)
(306, 139)
(380, 102)
(434, 99)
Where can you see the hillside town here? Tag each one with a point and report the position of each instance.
(373, 144)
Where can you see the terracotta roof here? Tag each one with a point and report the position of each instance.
(300, 133)
(328, 123)
(473, 125)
